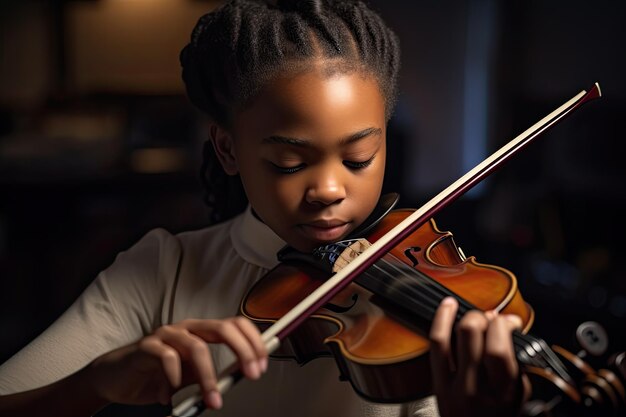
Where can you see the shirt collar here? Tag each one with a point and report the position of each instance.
(254, 241)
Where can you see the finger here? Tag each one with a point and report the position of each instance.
(152, 348)
(500, 363)
(195, 352)
(440, 346)
(470, 344)
(226, 331)
(251, 332)
(526, 389)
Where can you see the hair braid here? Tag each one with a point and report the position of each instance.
(238, 47)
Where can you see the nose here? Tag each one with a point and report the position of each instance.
(325, 188)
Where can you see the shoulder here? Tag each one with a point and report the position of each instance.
(156, 253)
(243, 239)
(156, 244)
(156, 258)
(204, 239)
(161, 250)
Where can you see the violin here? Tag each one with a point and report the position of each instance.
(377, 327)
(368, 302)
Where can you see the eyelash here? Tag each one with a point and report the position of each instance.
(350, 164)
(359, 165)
(287, 170)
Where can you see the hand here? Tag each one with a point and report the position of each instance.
(480, 375)
(152, 369)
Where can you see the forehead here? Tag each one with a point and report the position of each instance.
(315, 101)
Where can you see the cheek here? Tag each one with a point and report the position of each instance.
(268, 190)
(287, 191)
(367, 189)
(372, 178)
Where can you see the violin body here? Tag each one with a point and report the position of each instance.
(380, 348)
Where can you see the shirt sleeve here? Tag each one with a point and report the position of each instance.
(426, 407)
(125, 302)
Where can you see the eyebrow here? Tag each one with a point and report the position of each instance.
(305, 143)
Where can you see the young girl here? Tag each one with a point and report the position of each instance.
(297, 95)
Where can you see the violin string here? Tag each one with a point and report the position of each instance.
(428, 293)
(427, 305)
(415, 300)
(428, 285)
(543, 356)
(425, 299)
(416, 297)
(546, 356)
(535, 351)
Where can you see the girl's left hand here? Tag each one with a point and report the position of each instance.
(479, 376)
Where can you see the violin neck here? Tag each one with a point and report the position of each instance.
(413, 292)
(412, 298)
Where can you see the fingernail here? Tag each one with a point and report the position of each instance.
(514, 319)
(253, 370)
(490, 314)
(215, 400)
(448, 301)
(263, 365)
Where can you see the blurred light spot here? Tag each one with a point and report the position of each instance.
(594, 260)
(82, 128)
(556, 273)
(157, 160)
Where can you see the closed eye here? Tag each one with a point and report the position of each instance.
(287, 170)
(359, 164)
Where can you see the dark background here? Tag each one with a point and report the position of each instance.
(98, 145)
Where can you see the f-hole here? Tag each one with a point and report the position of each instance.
(342, 309)
(408, 252)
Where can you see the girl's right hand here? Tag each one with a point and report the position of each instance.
(153, 368)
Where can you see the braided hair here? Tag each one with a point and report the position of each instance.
(238, 47)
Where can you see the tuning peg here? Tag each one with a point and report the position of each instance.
(617, 363)
(592, 337)
(617, 367)
(605, 389)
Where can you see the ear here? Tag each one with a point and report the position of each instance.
(223, 145)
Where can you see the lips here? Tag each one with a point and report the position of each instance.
(325, 229)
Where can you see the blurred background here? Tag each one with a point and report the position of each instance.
(98, 144)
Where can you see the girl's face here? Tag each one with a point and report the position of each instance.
(310, 150)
